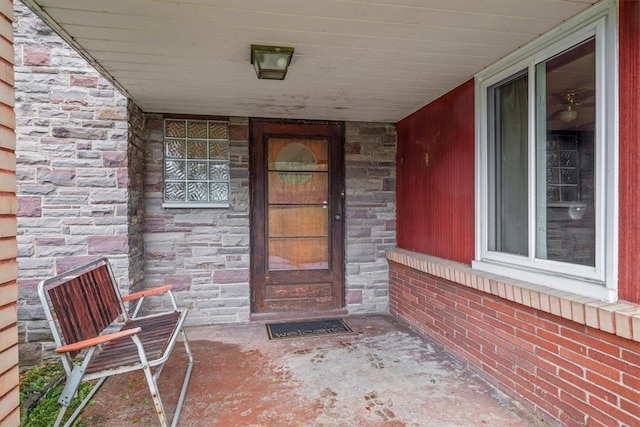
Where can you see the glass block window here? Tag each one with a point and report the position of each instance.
(196, 163)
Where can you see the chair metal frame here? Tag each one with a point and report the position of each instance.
(82, 307)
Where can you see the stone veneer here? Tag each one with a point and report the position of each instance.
(205, 253)
(137, 137)
(90, 184)
(73, 170)
(370, 155)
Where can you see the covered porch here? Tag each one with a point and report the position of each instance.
(196, 217)
(408, 227)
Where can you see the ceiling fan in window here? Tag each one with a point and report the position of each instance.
(569, 101)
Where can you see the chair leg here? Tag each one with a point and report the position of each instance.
(84, 402)
(80, 407)
(63, 410)
(185, 383)
(155, 395)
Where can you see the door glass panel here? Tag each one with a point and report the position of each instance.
(293, 187)
(288, 154)
(298, 221)
(297, 204)
(307, 253)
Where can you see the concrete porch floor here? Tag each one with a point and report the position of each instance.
(381, 375)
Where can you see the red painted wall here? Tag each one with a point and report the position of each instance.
(435, 177)
(435, 209)
(629, 145)
(562, 370)
(565, 371)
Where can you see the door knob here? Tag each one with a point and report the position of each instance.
(337, 217)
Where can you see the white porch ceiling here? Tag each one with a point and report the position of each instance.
(356, 60)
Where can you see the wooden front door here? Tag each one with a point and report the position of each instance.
(297, 248)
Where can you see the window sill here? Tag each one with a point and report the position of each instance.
(619, 318)
(188, 205)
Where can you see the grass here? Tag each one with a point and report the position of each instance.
(40, 388)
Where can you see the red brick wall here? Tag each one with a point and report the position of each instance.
(566, 372)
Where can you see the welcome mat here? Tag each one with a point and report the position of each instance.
(313, 328)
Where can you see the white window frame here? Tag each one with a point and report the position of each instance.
(596, 282)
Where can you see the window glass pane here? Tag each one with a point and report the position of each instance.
(509, 157)
(197, 191)
(218, 150)
(219, 191)
(174, 169)
(197, 129)
(218, 130)
(175, 128)
(197, 171)
(197, 150)
(218, 171)
(175, 191)
(565, 219)
(176, 148)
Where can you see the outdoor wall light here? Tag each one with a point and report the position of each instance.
(271, 62)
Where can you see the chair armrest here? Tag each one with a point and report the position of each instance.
(146, 293)
(97, 340)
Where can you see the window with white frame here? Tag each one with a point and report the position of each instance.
(546, 159)
(196, 163)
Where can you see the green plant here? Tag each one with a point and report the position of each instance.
(40, 388)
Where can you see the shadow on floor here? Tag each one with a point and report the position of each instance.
(381, 375)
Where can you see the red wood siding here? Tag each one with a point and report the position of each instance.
(435, 168)
(629, 140)
(9, 369)
(562, 370)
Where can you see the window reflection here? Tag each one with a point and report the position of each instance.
(565, 220)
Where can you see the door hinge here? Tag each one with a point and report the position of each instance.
(253, 296)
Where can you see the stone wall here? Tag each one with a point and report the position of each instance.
(90, 184)
(137, 136)
(370, 153)
(205, 253)
(72, 169)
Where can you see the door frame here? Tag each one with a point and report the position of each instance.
(257, 183)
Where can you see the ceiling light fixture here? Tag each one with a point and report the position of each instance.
(569, 114)
(271, 62)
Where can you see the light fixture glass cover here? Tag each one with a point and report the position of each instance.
(271, 62)
(568, 115)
